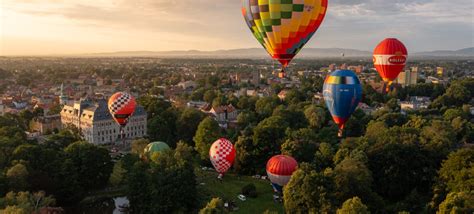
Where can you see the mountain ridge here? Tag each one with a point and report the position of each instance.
(260, 52)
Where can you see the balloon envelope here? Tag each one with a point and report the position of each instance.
(121, 107)
(342, 93)
(222, 155)
(279, 170)
(390, 57)
(283, 27)
(154, 147)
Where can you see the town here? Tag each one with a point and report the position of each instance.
(55, 108)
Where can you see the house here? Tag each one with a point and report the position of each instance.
(46, 124)
(224, 115)
(415, 103)
(282, 94)
(196, 104)
(187, 85)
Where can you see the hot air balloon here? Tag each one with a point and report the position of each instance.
(222, 155)
(121, 107)
(279, 170)
(390, 57)
(342, 93)
(283, 27)
(155, 147)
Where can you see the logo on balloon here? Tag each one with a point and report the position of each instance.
(397, 60)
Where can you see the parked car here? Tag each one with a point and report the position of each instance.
(242, 197)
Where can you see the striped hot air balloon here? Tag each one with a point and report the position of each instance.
(390, 57)
(283, 27)
(342, 93)
(222, 155)
(121, 107)
(279, 170)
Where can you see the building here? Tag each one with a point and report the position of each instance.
(282, 94)
(188, 85)
(332, 67)
(407, 78)
(46, 124)
(256, 77)
(62, 97)
(196, 104)
(97, 125)
(415, 103)
(356, 68)
(440, 71)
(2, 108)
(224, 115)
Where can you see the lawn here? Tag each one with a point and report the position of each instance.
(230, 188)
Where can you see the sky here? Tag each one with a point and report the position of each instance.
(44, 27)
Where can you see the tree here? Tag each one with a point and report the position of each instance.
(209, 96)
(457, 202)
(26, 202)
(265, 106)
(438, 137)
(208, 131)
(316, 116)
(245, 160)
(92, 164)
(294, 117)
(301, 150)
(399, 168)
(267, 138)
(323, 156)
(353, 206)
(168, 184)
(138, 146)
(352, 178)
(457, 172)
(246, 118)
(160, 129)
(215, 206)
(118, 174)
(309, 191)
(249, 190)
(188, 123)
(451, 113)
(18, 177)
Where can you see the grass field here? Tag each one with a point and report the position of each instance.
(230, 188)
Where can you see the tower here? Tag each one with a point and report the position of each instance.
(62, 98)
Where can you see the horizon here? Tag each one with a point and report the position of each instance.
(59, 27)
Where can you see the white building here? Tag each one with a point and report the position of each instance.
(225, 115)
(188, 85)
(97, 125)
(408, 77)
(415, 103)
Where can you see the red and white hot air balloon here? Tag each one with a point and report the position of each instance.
(279, 170)
(222, 155)
(390, 58)
(121, 107)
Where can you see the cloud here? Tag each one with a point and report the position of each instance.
(217, 24)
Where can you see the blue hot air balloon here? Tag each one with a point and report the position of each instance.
(342, 93)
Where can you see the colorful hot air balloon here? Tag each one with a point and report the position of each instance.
(279, 170)
(342, 93)
(390, 57)
(222, 155)
(121, 107)
(283, 27)
(155, 147)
